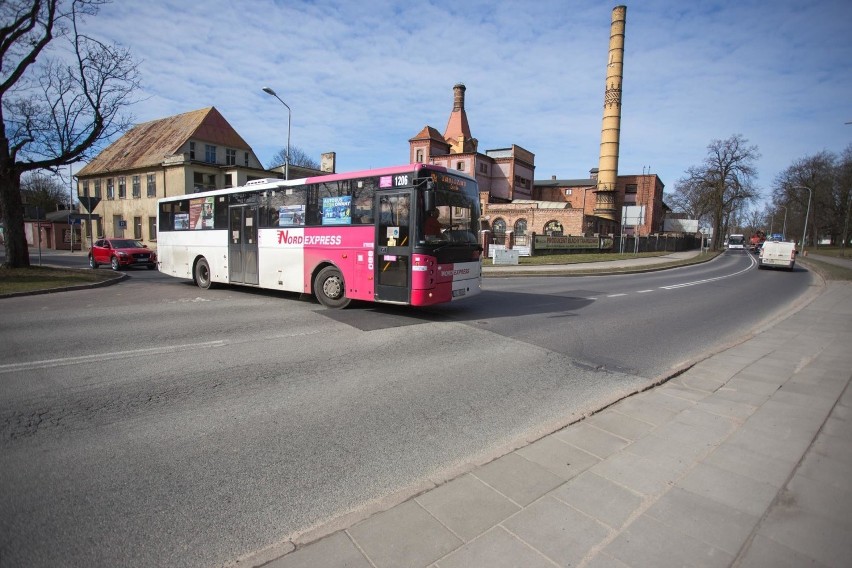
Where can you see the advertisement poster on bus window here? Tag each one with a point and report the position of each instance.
(201, 213)
(289, 215)
(181, 221)
(336, 210)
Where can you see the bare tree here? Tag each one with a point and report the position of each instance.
(298, 157)
(688, 196)
(57, 111)
(822, 174)
(724, 183)
(43, 191)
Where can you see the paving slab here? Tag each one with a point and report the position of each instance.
(591, 439)
(559, 531)
(404, 536)
(558, 457)
(495, 549)
(610, 503)
(467, 506)
(704, 519)
(642, 475)
(764, 552)
(621, 425)
(732, 489)
(645, 408)
(647, 543)
(334, 550)
(519, 479)
(823, 539)
(753, 465)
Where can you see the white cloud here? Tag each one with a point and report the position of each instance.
(362, 78)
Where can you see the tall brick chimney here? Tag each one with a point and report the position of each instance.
(457, 133)
(605, 206)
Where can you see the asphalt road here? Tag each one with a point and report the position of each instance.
(151, 423)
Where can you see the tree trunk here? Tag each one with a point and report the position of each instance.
(15, 241)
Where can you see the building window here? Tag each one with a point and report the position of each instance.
(110, 189)
(137, 188)
(85, 189)
(97, 188)
(483, 168)
(568, 191)
(230, 157)
(122, 187)
(203, 182)
(247, 159)
(460, 166)
(630, 188)
(137, 228)
(229, 180)
(210, 153)
(152, 185)
(152, 228)
(499, 228)
(192, 150)
(520, 227)
(630, 199)
(553, 229)
(419, 157)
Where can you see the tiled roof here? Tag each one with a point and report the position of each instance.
(149, 143)
(429, 133)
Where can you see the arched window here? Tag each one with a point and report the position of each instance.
(520, 227)
(499, 227)
(553, 229)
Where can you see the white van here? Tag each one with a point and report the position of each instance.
(778, 254)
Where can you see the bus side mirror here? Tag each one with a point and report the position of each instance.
(429, 198)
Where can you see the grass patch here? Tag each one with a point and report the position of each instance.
(578, 258)
(826, 270)
(38, 278)
(592, 266)
(831, 251)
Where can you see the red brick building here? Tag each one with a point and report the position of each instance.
(511, 198)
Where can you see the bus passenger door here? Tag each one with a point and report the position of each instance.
(242, 245)
(393, 246)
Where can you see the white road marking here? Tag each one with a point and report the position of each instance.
(48, 363)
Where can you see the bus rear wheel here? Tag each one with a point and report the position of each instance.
(202, 274)
(330, 289)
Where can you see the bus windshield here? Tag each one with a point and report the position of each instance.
(454, 216)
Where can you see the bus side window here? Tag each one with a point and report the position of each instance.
(220, 212)
(363, 196)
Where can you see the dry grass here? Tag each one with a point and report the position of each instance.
(41, 278)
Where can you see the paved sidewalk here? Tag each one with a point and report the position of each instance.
(743, 460)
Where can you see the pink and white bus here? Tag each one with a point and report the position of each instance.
(400, 235)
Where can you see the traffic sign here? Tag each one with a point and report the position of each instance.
(89, 203)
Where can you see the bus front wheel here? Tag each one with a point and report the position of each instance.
(330, 289)
(202, 274)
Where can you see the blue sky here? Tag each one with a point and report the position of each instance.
(363, 77)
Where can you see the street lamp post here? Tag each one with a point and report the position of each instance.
(270, 92)
(784, 227)
(807, 212)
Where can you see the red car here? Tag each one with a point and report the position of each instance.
(120, 253)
